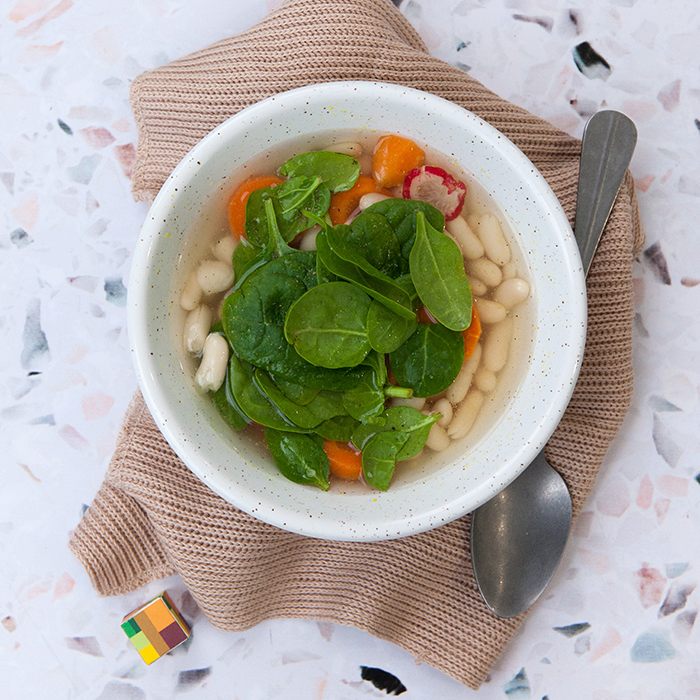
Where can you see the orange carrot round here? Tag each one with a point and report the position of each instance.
(238, 200)
(394, 156)
(345, 460)
(344, 203)
(472, 334)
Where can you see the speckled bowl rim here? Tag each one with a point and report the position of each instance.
(186, 419)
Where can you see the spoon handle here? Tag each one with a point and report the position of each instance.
(608, 144)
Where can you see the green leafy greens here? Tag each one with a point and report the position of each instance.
(312, 332)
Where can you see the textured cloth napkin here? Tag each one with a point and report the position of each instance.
(152, 517)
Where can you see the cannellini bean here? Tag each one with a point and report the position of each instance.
(497, 344)
(485, 380)
(479, 289)
(466, 415)
(308, 241)
(444, 408)
(460, 386)
(212, 369)
(511, 292)
(485, 270)
(473, 220)
(509, 270)
(350, 148)
(191, 293)
(367, 200)
(197, 325)
(490, 311)
(438, 440)
(413, 403)
(491, 235)
(468, 242)
(214, 276)
(223, 249)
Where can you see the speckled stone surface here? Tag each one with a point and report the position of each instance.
(618, 621)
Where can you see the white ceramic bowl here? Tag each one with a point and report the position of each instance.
(518, 420)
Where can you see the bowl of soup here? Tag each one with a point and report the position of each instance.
(357, 311)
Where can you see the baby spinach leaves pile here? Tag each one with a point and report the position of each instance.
(311, 332)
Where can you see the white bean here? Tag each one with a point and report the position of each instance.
(444, 408)
(367, 200)
(413, 403)
(214, 276)
(479, 289)
(460, 386)
(466, 415)
(308, 241)
(485, 270)
(438, 440)
(497, 344)
(473, 220)
(468, 242)
(349, 148)
(511, 292)
(509, 270)
(197, 325)
(490, 311)
(223, 249)
(491, 235)
(212, 369)
(191, 293)
(485, 380)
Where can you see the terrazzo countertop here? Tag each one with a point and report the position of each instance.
(618, 620)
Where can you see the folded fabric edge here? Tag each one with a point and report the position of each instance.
(116, 544)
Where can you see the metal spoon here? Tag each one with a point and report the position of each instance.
(518, 536)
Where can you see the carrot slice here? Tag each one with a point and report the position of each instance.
(238, 200)
(345, 460)
(344, 203)
(472, 334)
(394, 156)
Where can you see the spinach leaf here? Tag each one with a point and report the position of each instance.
(379, 458)
(338, 171)
(398, 419)
(253, 402)
(295, 392)
(290, 219)
(243, 256)
(339, 428)
(227, 405)
(253, 318)
(402, 216)
(373, 238)
(328, 325)
(301, 192)
(429, 360)
(274, 248)
(366, 401)
(324, 406)
(400, 435)
(386, 330)
(341, 260)
(300, 458)
(437, 271)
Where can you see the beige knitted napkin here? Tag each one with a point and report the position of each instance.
(152, 517)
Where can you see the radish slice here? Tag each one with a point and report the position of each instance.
(437, 187)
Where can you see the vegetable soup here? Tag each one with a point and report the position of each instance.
(358, 312)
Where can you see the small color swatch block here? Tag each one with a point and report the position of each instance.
(156, 628)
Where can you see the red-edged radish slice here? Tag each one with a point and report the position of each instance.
(437, 187)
